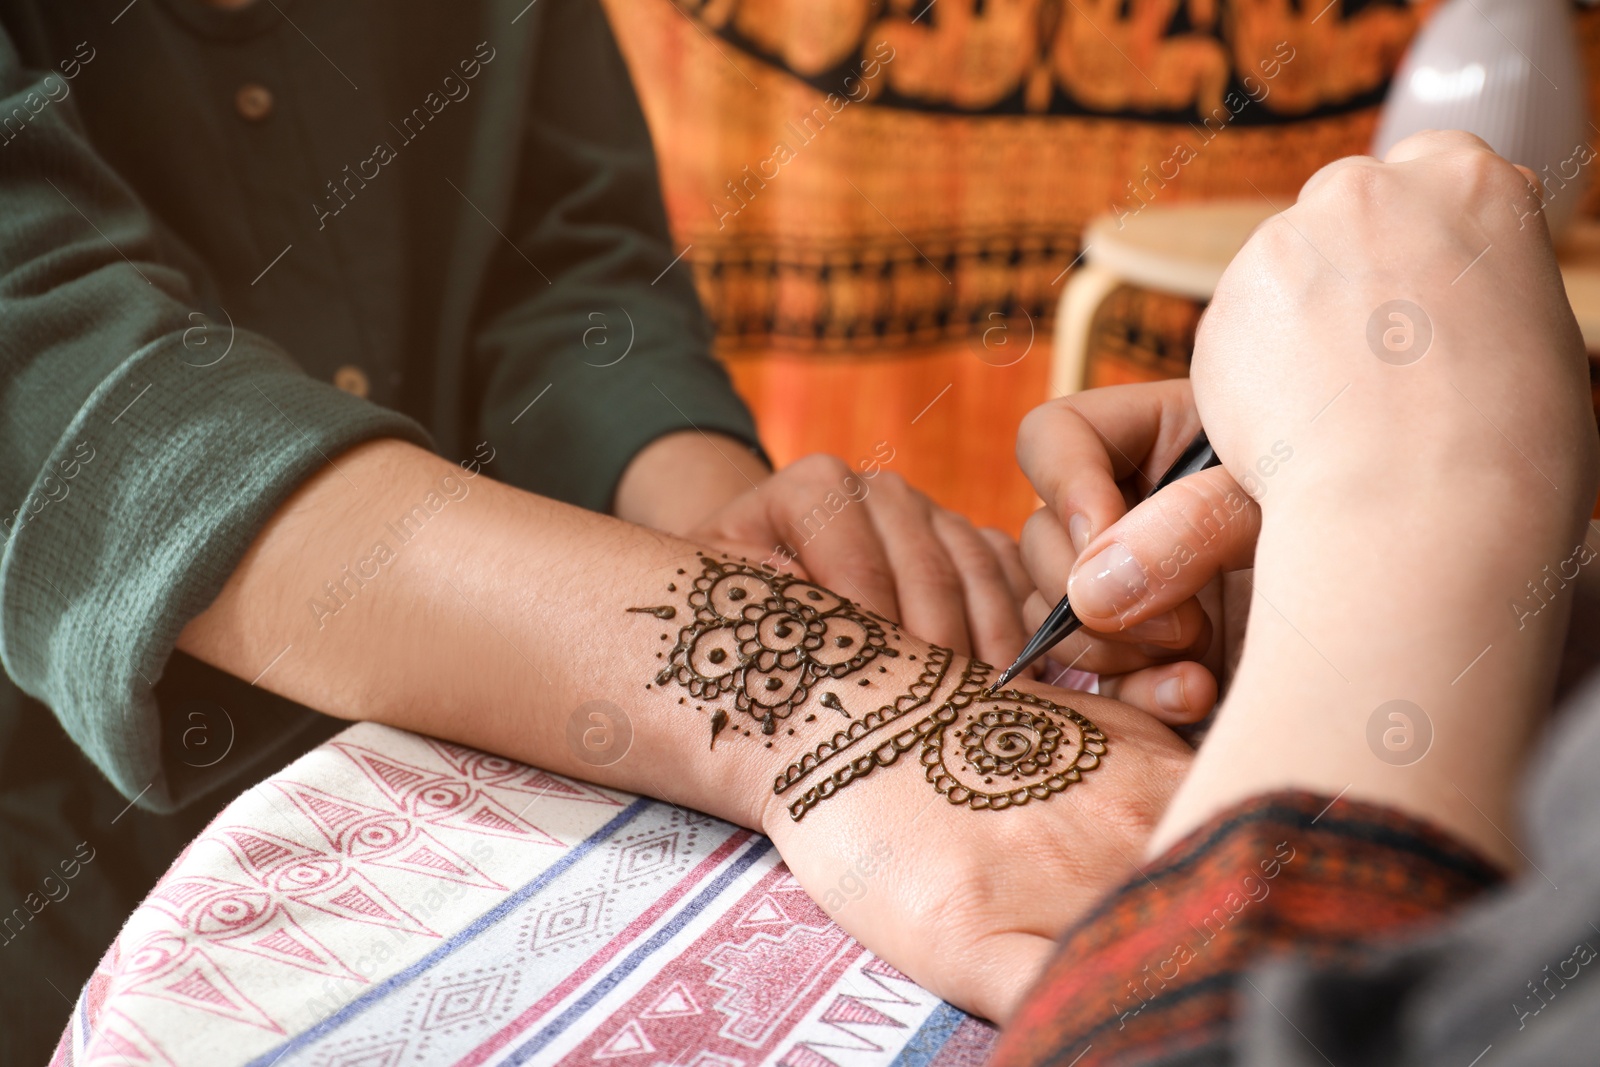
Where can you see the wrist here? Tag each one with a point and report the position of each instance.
(1359, 605)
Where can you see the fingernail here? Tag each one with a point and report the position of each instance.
(1108, 583)
(1078, 529)
(1163, 628)
(1169, 695)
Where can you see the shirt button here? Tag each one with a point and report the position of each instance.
(352, 380)
(253, 102)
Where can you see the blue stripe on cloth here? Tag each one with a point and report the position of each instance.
(758, 848)
(478, 926)
(931, 1037)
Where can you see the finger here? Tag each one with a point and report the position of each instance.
(1186, 629)
(1010, 556)
(1165, 550)
(1176, 693)
(1087, 650)
(994, 615)
(839, 549)
(1048, 554)
(926, 582)
(1075, 450)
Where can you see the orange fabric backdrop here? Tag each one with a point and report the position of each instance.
(883, 264)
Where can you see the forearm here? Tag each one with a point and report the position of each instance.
(677, 480)
(494, 621)
(1357, 605)
(396, 588)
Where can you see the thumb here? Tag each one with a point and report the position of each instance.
(1164, 551)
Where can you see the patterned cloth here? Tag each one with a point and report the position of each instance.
(881, 200)
(1156, 972)
(890, 274)
(389, 899)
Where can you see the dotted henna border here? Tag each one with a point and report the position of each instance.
(921, 691)
(974, 679)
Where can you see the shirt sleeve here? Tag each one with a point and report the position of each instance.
(1159, 971)
(593, 319)
(142, 444)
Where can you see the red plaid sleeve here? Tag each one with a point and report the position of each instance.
(1152, 973)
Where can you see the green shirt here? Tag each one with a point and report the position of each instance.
(206, 217)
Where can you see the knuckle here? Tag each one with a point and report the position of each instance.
(820, 466)
(893, 483)
(1352, 182)
(1034, 427)
(1197, 506)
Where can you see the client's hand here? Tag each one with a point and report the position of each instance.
(878, 540)
(862, 530)
(913, 858)
(954, 831)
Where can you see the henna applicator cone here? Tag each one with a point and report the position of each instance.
(1063, 621)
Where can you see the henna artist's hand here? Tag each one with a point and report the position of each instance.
(969, 902)
(1092, 457)
(1405, 328)
(881, 542)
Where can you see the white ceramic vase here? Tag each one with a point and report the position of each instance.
(1510, 72)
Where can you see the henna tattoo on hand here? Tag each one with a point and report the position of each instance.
(765, 639)
(1012, 747)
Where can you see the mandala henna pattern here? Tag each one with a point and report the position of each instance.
(1007, 748)
(765, 640)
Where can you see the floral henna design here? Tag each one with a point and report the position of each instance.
(766, 639)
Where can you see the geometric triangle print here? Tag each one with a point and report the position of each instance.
(482, 814)
(118, 1040)
(804, 1055)
(332, 815)
(178, 895)
(674, 1002)
(354, 898)
(422, 853)
(460, 757)
(197, 982)
(767, 911)
(545, 784)
(876, 966)
(848, 1009)
(400, 780)
(385, 1055)
(787, 881)
(285, 941)
(627, 1042)
(258, 852)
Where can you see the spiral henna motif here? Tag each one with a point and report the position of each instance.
(1010, 748)
(986, 751)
